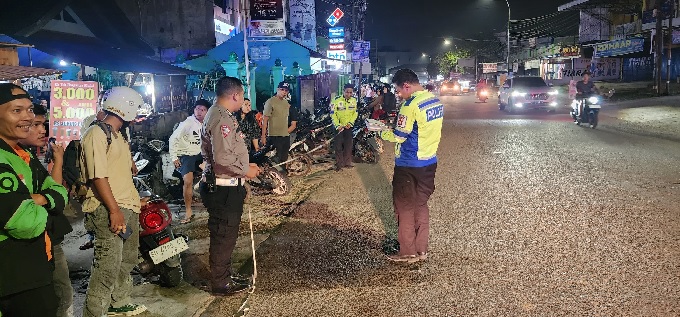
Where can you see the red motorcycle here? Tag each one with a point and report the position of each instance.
(159, 246)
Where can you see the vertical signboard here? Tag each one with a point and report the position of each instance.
(266, 19)
(303, 22)
(361, 51)
(71, 102)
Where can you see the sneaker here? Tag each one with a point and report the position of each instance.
(127, 310)
(229, 289)
(422, 256)
(403, 258)
(238, 278)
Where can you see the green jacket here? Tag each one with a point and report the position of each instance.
(24, 263)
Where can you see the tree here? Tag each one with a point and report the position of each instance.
(432, 70)
(449, 61)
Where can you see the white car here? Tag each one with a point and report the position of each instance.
(520, 93)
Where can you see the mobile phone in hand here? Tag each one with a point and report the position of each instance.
(125, 235)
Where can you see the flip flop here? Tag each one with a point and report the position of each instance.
(187, 220)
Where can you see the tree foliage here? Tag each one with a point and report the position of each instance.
(449, 61)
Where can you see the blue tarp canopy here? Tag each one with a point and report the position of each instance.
(92, 52)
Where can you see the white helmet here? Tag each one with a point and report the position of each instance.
(123, 102)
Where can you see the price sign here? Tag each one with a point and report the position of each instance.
(71, 102)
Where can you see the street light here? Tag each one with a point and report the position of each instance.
(424, 55)
(447, 42)
(507, 56)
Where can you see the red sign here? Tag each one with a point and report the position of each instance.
(337, 47)
(338, 14)
(71, 102)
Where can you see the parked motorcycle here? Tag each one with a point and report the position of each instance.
(586, 109)
(366, 145)
(272, 179)
(159, 246)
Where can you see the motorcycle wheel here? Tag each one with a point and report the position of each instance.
(301, 166)
(280, 183)
(170, 276)
(593, 120)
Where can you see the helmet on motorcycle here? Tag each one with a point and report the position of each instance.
(123, 102)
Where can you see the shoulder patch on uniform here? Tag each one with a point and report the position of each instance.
(401, 121)
(225, 130)
(435, 113)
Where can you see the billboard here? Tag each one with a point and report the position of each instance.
(361, 51)
(71, 102)
(266, 9)
(273, 28)
(302, 22)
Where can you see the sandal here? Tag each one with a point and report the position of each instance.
(186, 220)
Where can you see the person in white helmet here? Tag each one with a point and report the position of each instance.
(111, 206)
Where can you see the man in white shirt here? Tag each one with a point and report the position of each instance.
(185, 151)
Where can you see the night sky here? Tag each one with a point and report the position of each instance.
(421, 25)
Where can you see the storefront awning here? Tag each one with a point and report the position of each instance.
(8, 73)
(95, 53)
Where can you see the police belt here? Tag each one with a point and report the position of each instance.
(228, 182)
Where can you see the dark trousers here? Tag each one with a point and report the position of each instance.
(41, 301)
(343, 148)
(411, 189)
(282, 145)
(225, 207)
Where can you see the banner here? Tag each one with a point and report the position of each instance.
(275, 28)
(71, 102)
(266, 10)
(339, 54)
(619, 47)
(361, 51)
(302, 22)
(600, 68)
(488, 68)
(337, 32)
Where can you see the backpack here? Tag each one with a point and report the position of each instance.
(72, 170)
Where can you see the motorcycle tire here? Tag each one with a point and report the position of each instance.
(593, 120)
(300, 166)
(170, 276)
(280, 183)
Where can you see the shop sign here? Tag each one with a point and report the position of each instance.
(335, 17)
(619, 47)
(275, 28)
(361, 51)
(570, 51)
(676, 36)
(266, 9)
(488, 68)
(600, 68)
(336, 40)
(338, 54)
(335, 47)
(71, 102)
(260, 53)
(338, 32)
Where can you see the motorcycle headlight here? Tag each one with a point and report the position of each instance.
(553, 93)
(593, 100)
(518, 94)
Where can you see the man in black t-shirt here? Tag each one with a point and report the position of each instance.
(584, 89)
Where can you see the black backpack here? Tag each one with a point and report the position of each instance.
(75, 182)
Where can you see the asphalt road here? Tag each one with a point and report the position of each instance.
(532, 216)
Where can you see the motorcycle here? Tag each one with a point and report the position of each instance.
(159, 246)
(586, 109)
(272, 179)
(366, 145)
(483, 95)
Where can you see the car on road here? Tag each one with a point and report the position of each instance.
(530, 92)
(450, 88)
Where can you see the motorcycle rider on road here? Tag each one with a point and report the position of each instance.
(584, 88)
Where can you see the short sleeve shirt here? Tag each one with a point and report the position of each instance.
(114, 164)
(278, 111)
(584, 88)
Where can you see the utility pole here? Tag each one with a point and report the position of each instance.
(658, 47)
(671, 15)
